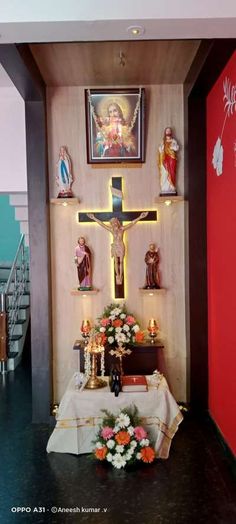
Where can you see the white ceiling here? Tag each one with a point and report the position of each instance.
(91, 20)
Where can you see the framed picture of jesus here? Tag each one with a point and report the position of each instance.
(115, 125)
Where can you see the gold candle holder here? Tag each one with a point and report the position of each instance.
(85, 330)
(153, 330)
(94, 348)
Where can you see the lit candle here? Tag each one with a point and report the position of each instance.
(152, 325)
(85, 326)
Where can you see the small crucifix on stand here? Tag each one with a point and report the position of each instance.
(120, 353)
(116, 228)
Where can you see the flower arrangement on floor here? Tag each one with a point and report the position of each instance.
(122, 441)
(118, 326)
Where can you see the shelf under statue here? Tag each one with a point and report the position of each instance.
(152, 273)
(167, 163)
(84, 267)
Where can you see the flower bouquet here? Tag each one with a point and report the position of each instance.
(118, 326)
(122, 441)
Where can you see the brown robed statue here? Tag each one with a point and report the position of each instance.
(83, 262)
(152, 273)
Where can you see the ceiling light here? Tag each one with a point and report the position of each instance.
(135, 30)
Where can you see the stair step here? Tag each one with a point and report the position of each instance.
(24, 306)
(9, 266)
(19, 321)
(16, 337)
(10, 293)
(5, 279)
(12, 354)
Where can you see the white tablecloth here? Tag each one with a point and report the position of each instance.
(79, 416)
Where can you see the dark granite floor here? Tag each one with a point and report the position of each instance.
(195, 485)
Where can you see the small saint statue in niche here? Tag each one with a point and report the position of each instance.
(84, 267)
(118, 247)
(152, 272)
(167, 163)
(64, 178)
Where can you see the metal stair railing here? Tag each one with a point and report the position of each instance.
(10, 302)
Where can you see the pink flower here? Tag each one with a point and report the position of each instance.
(140, 433)
(107, 432)
(130, 320)
(104, 322)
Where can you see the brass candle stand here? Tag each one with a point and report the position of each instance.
(94, 348)
(85, 330)
(153, 330)
(120, 352)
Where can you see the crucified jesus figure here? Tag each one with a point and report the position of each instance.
(117, 247)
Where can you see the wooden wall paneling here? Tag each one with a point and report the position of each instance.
(149, 62)
(66, 125)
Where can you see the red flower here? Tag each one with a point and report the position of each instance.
(104, 322)
(122, 437)
(130, 320)
(117, 323)
(139, 337)
(100, 453)
(101, 339)
(148, 454)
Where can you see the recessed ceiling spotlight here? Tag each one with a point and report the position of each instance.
(136, 30)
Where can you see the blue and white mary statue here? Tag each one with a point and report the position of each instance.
(64, 176)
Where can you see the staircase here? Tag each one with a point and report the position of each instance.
(20, 202)
(15, 305)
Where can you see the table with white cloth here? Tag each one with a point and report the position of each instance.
(79, 416)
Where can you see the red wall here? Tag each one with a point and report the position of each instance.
(221, 251)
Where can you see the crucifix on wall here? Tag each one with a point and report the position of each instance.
(113, 222)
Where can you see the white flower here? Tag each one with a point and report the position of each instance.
(128, 455)
(110, 340)
(130, 430)
(102, 329)
(125, 327)
(144, 442)
(133, 444)
(122, 316)
(118, 329)
(217, 158)
(138, 456)
(109, 457)
(136, 328)
(116, 429)
(99, 445)
(123, 420)
(110, 444)
(120, 337)
(118, 461)
(119, 448)
(110, 329)
(115, 312)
